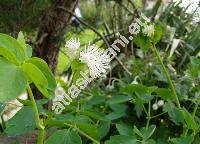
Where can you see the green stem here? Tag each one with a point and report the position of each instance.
(167, 75)
(40, 136)
(83, 133)
(195, 110)
(37, 118)
(145, 110)
(158, 115)
(148, 115)
(193, 115)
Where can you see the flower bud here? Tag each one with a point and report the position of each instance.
(155, 106)
(160, 103)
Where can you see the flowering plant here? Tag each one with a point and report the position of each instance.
(151, 97)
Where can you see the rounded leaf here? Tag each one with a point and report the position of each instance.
(13, 81)
(37, 77)
(12, 46)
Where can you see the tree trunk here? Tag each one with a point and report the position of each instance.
(51, 33)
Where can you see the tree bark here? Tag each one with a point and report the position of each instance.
(51, 33)
(52, 30)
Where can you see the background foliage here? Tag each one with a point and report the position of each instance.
(118, 108)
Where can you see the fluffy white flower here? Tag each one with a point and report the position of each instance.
(160, 103)
(72, 46)
(97, 60)
(155, 106)
(149, 30)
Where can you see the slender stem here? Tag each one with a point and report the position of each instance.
(195, 109)
(148, 115)
(145, 110)
(37, 118)
(167, 75)
(40, 136)
(83, 133)
(158, 115)
(148, 121)
(193, 115)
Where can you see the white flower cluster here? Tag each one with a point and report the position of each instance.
(72, 46)
(96, 59)
(158, 104)
(149, 30)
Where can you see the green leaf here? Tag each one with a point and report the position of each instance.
(157, 34)
(151, 141)
(43, 67)
(137, 131)
(147, 133)
(37, 77)
(164, 93)
(191, 124)
(121, 139)
(21, 123)
(194, 67)
(124, 129)
(119, 111)
(142, 92)
(13, 81)
(89, 129)
(10, 47)
(93, 114)
(64, 137)
(119, 99)
(103, 128)
(28, 51)
(182, 140)
(82, 119)
(6, 53)
(119, 107)
(27, 48)
(143, 42)
(135, 88)
(175, 114)
(195, 61)
(21, 41)
(77, 66)
(115, 115)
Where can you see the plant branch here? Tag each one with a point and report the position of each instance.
(148, 115)
(158, 115)
(37, 118)
(82, 133)
(167, 75)
(123, 66)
